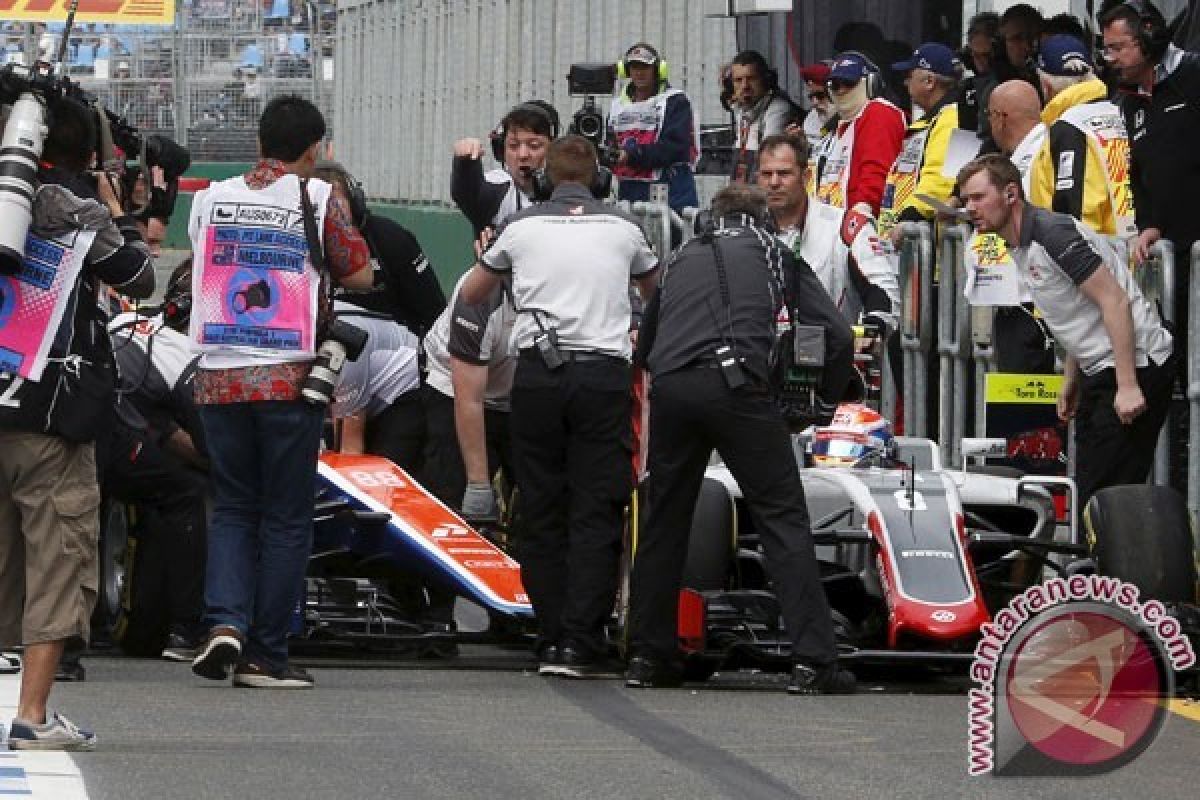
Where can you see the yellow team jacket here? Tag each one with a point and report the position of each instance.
(1083, 167)
(918, 168)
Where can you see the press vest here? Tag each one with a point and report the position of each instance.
(642, 121)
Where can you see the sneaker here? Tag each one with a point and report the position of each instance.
(58, 733)
(574, 664)
(548, 660)
(827, 679)
(180, 648)
(220, 651)
(646, 673)
(255, 676)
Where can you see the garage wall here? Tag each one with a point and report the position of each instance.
(414, 75)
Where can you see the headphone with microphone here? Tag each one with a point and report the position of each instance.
(1153, 35)
(660, 67)
(539, 107)
(541, 187)
(874, 78)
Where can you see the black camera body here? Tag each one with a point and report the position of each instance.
(587, 81)
(343, 342)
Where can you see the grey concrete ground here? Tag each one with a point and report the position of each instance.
(442, 731)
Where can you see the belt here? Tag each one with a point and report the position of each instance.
(572, 355)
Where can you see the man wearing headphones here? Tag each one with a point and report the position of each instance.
(571, 260)
(854, 159)
(519, 143)
(656, 130)
(760, 109)
(1159, 99)
(404, 286)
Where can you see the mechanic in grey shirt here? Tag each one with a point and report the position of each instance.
(571, 260)
(1117, 381)
(470, 358)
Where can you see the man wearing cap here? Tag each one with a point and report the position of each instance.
(853, 164)
(932, 77)
(1082, 168)
(760, 109)
(656, 130)
(820, 112)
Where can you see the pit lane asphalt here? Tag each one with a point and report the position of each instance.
(486, 726)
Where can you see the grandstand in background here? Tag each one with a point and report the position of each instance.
(204, 81)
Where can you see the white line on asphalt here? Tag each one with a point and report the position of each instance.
(33, 776)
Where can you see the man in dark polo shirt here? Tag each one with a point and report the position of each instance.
(571, 260)
(1118, 373)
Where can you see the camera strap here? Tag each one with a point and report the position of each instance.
(723, 284)
(316, 255)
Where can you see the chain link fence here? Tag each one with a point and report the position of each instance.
(205, 81)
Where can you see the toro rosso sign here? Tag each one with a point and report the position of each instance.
(140, 12)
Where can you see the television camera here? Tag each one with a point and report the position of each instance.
(587, 81)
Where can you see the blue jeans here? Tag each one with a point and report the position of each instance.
(263, 460)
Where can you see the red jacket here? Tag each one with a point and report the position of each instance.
(878, 136)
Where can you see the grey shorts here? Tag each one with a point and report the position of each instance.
(49, 527)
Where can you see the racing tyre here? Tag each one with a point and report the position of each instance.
(143, 618)
(712, 540)
(1141, 535)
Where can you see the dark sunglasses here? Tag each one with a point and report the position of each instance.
(840, 83)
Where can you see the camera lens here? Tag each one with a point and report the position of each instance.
(322, 378)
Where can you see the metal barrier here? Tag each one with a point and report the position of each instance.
(954, 331)
(1156, 278)
(916, 324)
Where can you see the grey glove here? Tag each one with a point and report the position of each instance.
(479, 502)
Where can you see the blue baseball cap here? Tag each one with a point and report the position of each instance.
(849, 67)
(933, 56)
(1062, 54)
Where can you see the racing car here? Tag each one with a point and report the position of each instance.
(914, 556)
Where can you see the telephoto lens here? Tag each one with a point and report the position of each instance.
(20, 150)
(323, 377)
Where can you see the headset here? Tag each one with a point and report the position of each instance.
(770, 77)
(660, 67)
(875, 82)
(539, 107)
(1153, 35)
(177, 302)
(541, 187)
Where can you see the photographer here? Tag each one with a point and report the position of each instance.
(255, 320)
(712, 389)
(519, 143)
(656, 130)
(571, 260)
(404, 285)
(50, 409)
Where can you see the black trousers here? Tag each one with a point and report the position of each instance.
(691, 413)
(572, 452)
(444, 473)
(1108, 452)
(139, 471)
(398, 433)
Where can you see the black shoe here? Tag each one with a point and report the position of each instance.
(827, 679)
(549, 660)
(220, 651)
(179, 647)
(70, 671)
(646, 673)
(574, 664)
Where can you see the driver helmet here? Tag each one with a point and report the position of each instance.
(856, 432)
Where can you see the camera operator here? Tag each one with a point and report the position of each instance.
(656, 130)
(519, 143)
(571, 260)
(404, 287)
(712, 390)
(262, 435)
(760, 109)
(156, 457)
(49, 494)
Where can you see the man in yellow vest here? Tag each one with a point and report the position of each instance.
(1082, 168)
(932, 77)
